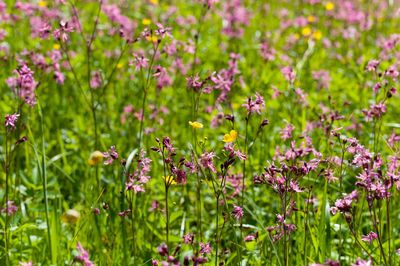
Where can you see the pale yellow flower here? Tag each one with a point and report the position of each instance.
(196, 124)
(70, 216)
(311, 18)
(95, 158)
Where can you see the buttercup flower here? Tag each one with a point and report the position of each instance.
(95, 158)
(230, 137)
(169, 180)
(196, 124)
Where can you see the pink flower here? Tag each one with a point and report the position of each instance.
(237, 212)
(205, 248)
(110, 155)
(254, 106)
(361, 262)
(372, 65)
(10, 208)
(394, 138)
(26, 263)
(250, 237)
(370, 237)
(163, 31)
(286, 133)
(376, 111)
(188, 238)
(289, 74)
(392, 72)
(11, 120)
(206, 160)
(62, 32)
(140, 62)
(96, 80)
(83, 256)
(24, 84)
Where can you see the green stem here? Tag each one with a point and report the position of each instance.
(44, 179)
(7, 166)
(166, 213)
(145, 89)
(217, 233)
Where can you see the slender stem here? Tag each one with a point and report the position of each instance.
(379, 235)
(389, 231)
(199, 209)
(133, 228)
(92, 100)
(145, 89)
(44, 179)
(216, 230)
(74, 73)
(244, 161)
(167, 213)
(166, 186)
(7, 167)
(306, 221)
(359, 243)
(341, 192)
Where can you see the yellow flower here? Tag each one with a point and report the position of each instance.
(196, 124)
(306, 31)
(95, 158)
(146, 21)
(120, 65)
(317, 35)
(154, 2)
(296, 36)
(70, 217)
(311, 18)
(152, 38)
(230, 137)
(56, 46)
(42, 3)
(169, 179)
(329, 6)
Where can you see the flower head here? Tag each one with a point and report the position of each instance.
(231, 136)
(169, 180)
(329, 6)
(70, 216)
(83, 256)
(205, 248)
(206, 160)
(10, 208)
(196, 124)
(237, 212)
(95, 158)
(110, 155)
(11, 120)
(370, 237)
